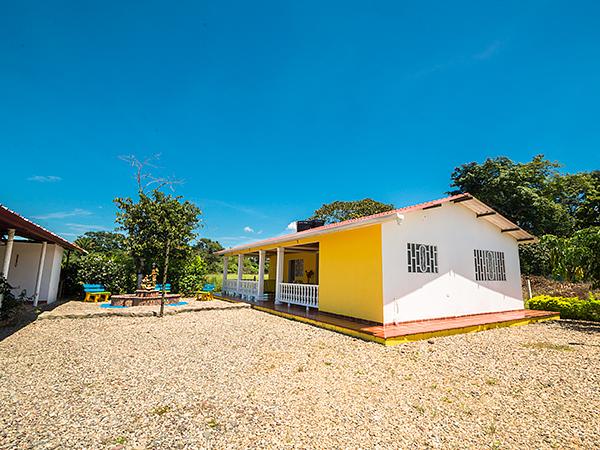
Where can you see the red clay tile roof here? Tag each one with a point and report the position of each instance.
(462, 198)
(27, 229)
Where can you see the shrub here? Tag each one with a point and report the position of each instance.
(568, 307)
(9, 301)
(535, 259)
(217, 280)
(194, 276)
(115, 272)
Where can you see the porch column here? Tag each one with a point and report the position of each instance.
(279, 275)
(261, 274)
(8, 252)
(40, 272)
(240, 273)
(225, 269)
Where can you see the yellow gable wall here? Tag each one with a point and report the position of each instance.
(350, 271)
(350, 280)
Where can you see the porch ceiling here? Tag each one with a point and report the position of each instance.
(303, 248)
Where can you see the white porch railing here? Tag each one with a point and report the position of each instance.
(299, 294)
(229, 287)
(248, 289)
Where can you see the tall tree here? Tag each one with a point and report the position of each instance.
(339, 211)
(157, 224)
(519, 191)
(579, 193)
(206, 248)
(101, 241)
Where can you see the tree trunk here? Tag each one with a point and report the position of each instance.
(164, 281)
(140, 272)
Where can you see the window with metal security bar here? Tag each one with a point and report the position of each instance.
(422, 258)
(489, 265)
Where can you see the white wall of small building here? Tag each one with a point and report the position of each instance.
(453, 290)
(23, 270)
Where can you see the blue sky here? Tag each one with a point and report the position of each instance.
(269, 109)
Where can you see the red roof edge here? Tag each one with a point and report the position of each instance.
(300, 234)
(19, 222)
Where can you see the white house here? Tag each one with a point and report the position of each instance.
(31, 256)
(446, 258)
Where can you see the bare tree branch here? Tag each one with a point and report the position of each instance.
(144, 178)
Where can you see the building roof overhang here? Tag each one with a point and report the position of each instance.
(480, 209)
(25, 228)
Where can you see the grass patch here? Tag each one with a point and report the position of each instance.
(161, 410)
(491, 381)
(212, 422)
(420, 409)
(548, 346)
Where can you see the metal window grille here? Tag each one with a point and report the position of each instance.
(489, 265)
(422, 258)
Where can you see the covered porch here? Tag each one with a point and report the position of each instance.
(293, 276)
(30, 257)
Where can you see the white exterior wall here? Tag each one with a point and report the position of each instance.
(453, 291)
(24, 267)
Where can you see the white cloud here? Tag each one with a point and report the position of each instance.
(489, 51)
(45, 178)
(248, 229)
(292, 226)
(82, 227)
(64, 214)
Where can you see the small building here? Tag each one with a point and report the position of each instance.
(31, 257)
(446, 258)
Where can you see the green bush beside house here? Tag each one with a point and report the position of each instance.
(568, 307)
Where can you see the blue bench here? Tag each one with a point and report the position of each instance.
(159, 287)
(95, 292)
(206, 293)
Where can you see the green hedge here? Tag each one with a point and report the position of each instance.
(568, 307)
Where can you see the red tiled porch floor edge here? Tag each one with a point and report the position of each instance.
(393, 334)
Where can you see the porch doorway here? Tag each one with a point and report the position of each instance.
(299, 283)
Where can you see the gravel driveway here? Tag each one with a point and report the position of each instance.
(241, 378)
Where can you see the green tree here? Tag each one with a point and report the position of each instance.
(575, 258)
(207, 248)
(579, 194)
(102, 241)
(107, 263)
(194, 276)
(519, 191)
(157, 224)
(535, 259)
(339, 211)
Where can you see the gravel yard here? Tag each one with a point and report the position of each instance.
(240, 378)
